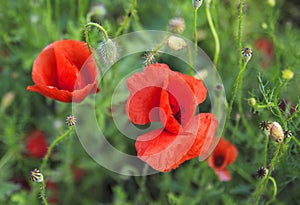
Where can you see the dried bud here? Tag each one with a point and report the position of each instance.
(287, 133)
(36, 176)
(177, 25)
(247, 54)
(71, 120)
(252, 102)
(197, 3)
(264, 125)
(261, 172)
(108, 51)
(276, 132)
(287, 74)
(176, 43)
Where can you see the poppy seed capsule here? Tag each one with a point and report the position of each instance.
(36, 176)
(197, 3)
(276, 132)
(107, 51)
(247, 54)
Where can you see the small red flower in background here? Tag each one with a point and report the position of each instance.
(266, 48)
(224, 154)
(36, 144)
(57, 71)
(160, 94)
(284, 103)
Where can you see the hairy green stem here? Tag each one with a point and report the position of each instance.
(214, 32)
(127, 18)
(43, 192)
(274, 192)
(236, 85)
(274, 159)
(266, 149)
(98, 27)
(57, 140)
(195, 28)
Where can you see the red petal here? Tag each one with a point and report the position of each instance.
(163, 150)
(44, 67)
(178, 90)
(145, 91)
(197, 86)
(70, 57)
(64, 95)
(225, 150)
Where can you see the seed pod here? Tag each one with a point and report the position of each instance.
(177, 25)
(276, 132)
(247, 54)
(36, 176)
(197, 3)
(176, 43)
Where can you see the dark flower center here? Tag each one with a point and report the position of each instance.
(218, 161)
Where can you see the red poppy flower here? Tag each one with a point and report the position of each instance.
(36, 144)
(224, 154)
(160, 94)
(57, 71)
(266, 48)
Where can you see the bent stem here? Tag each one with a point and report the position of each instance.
(57, 140)
(127, 18)
(274, 192)
(214, 32)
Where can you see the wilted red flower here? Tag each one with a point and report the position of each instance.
(57, 71)
(36, 144)
(78, 173)
(160, 94)
(284, 103)
(224, 154)
(266, 48)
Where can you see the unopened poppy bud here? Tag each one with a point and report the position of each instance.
(177, 25)
(252, 102)
(276, 132)
(71, 120)
(197, 3)
(36, 176)
(176, 43)
(272, 3)
(287, 74)
(7, 99)
(108, 51)
(247, 54)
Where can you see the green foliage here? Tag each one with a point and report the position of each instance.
(29, 26)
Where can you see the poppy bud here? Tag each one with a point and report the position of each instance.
(7, 99)
(287, 74)
(176, 43)
(197, 3)
(108, 51)
(177, 25)
(272, 3)
(252, 102)
(276, 132)
(247, 54)
(261, 172)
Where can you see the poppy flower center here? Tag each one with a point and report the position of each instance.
(219, 160)
(175, 108)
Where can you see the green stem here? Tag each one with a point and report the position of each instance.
(295, 140)
(214, 32)
(8, 155)
(266, 149)
(274, 159)
(278, 111)
(43, 193)
(156, 50)
(57, 140)
(274, 192)
(49, 16)
(127, 18)
(195, 28)
(234, 93)
(98, 27)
